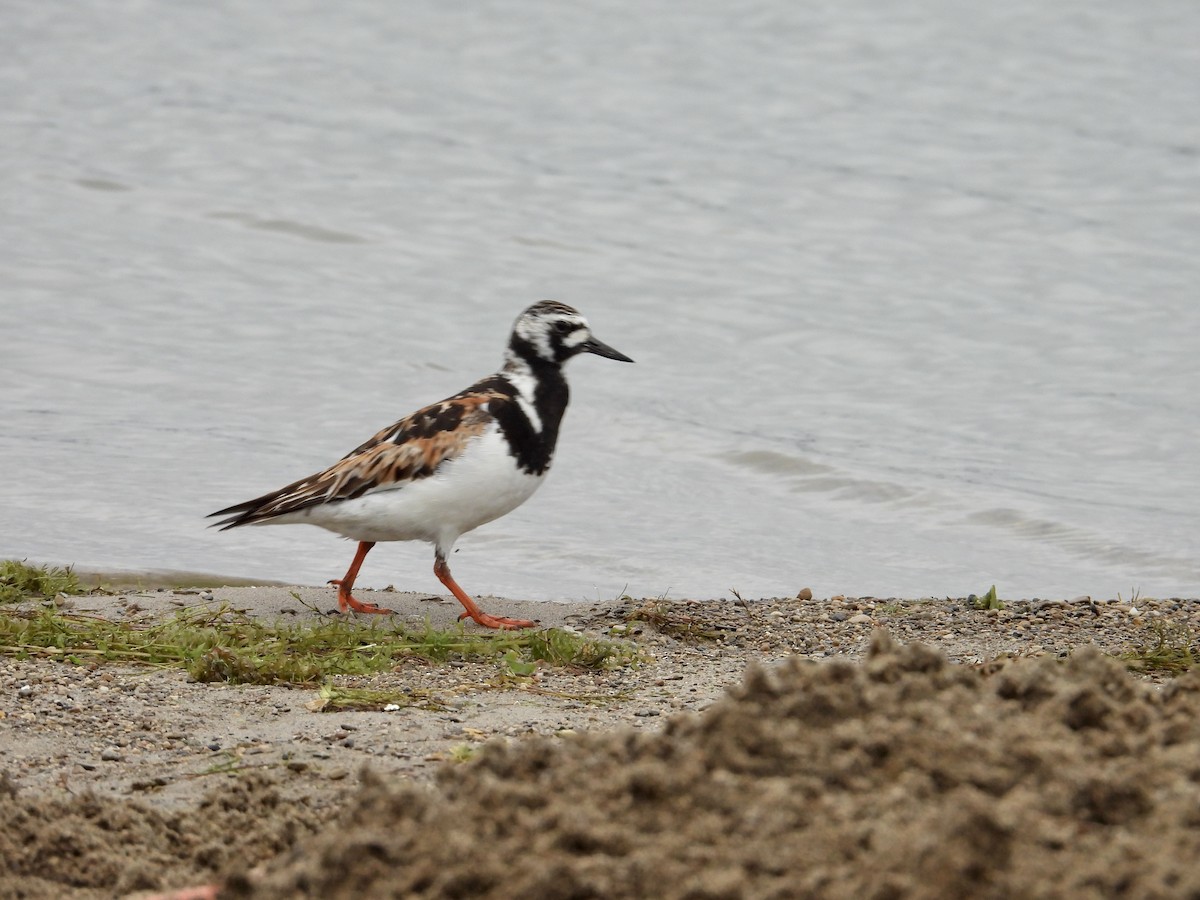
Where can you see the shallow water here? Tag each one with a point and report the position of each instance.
(912, 293)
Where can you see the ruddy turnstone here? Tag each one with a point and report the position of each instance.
(448, 468)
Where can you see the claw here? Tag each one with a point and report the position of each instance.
(347, 602)
(490, 621)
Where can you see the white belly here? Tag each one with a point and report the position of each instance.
(481, 485)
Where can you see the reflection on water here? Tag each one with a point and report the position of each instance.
(912, 292)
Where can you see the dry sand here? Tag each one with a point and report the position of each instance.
(996, 761)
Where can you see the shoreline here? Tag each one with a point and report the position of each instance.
(153, 578)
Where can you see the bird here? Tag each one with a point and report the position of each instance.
(449, 467)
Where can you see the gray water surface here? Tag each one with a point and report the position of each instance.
(912, 289)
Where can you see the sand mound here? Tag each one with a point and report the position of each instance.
(101, 847)
(902, 776)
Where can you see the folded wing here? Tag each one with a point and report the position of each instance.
(407, 451)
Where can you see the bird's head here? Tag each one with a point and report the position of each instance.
(554, 332)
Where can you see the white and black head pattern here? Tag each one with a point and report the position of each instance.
(552, 332)
(543, 338)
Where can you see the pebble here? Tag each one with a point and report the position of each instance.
(110, 754)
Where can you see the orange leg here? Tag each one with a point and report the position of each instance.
(442, 571)
(346, 585)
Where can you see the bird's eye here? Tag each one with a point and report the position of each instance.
(562, 326)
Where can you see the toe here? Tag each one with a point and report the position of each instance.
(359, 606)
(505, 623)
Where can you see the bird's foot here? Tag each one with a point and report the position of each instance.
(346, 602)
(488, 621)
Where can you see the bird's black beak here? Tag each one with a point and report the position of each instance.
(591, 345)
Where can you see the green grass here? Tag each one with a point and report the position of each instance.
(461, 753)
(987, 601)
(671, 620)
(21, 581)
(335, 698)
(222, 644)
(1171, 650)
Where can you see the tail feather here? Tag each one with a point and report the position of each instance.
(264, 508)
(240, 514)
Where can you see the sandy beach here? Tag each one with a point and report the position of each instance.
(119, 780)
